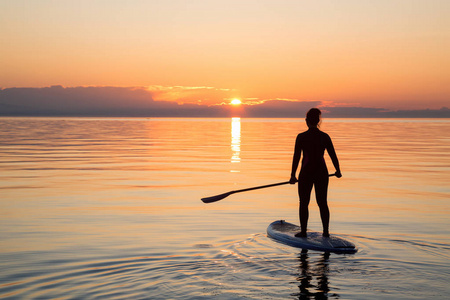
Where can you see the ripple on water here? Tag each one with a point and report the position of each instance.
(253, 267)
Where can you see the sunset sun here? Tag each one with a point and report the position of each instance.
(236, 102)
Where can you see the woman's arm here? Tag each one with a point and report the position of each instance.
(295, 160)
(334, 159)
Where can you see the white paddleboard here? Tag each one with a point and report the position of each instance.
(284, 232)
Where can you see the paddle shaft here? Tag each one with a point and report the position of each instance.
(222, 196)
(259, 187)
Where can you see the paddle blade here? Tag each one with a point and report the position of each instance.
(216, 198)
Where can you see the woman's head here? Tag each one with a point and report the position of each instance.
(313, 117)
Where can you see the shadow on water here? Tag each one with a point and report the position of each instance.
(313, 277)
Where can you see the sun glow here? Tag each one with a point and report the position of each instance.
(236, 102)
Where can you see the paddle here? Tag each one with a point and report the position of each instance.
(224, 195)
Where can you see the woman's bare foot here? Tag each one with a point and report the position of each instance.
(300, 234)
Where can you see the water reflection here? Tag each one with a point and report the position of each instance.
(235, 141)
(308, 274)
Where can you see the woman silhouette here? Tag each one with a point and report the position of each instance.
(313, 172)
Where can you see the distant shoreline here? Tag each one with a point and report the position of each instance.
(207, 117)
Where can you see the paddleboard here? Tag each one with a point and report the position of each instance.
(284, 232)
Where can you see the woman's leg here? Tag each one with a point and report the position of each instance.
(321, 188)
(304, 192)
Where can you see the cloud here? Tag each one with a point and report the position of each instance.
(190, 94)
(89, 101)
(145, 102)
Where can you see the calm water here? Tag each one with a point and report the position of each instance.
(110, 208)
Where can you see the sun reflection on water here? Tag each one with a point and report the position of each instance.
(235, 141)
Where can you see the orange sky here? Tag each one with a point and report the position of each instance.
(391, 54)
